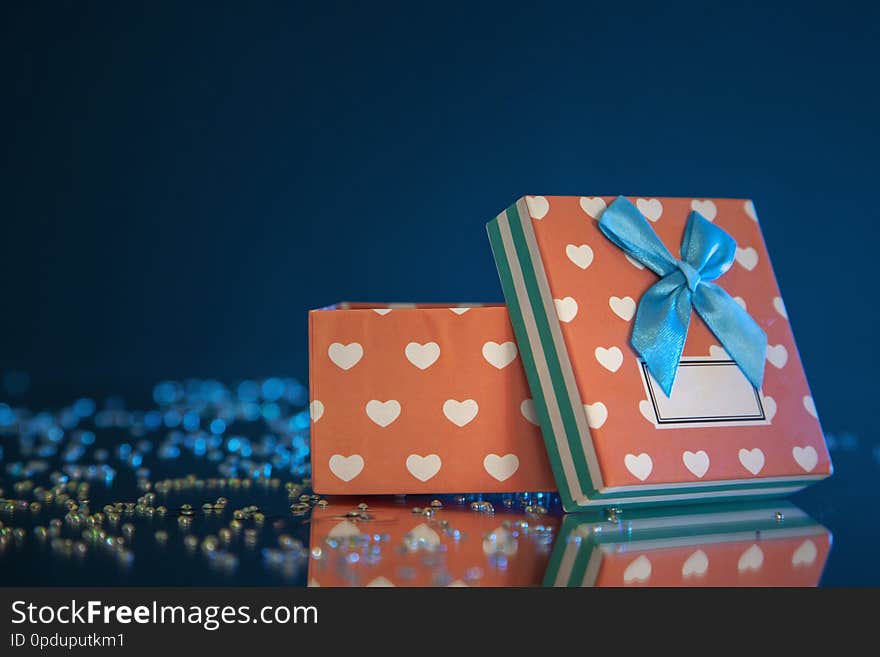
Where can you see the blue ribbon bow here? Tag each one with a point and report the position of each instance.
(664, 311)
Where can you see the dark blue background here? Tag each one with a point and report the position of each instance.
(182, 182)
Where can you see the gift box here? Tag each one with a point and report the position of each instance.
(731, 545)
(389, 544)
(656, 378)
(410, 398)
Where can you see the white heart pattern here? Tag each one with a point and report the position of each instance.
(696, 565)
(810, 406)
(777, 355)
(581, 255)
(646, 408)
(460, 412)
(346, 467)
(344, 529)
(593, 206)
(806, 457)
(461, 310)
(382, 311)
(423, 467)
(779, 306)
(718, 353)
(345, 356)
(747, 257)
(805, 554)
(527, 408)
(500, 541)
(499, 355)
(640, 466)
(749, 207)
(751, 559)
(769, 407)
(635, 263)
(501, 467)
(639, 570)
(422, 355)
(651, 208)
(316, 410)
(705, 208)
(624, 308)
(696, 462)
(383, 413)
(538, 206)
(566, 309)
(740, 302)
(380, 582)
(752, 460)
(596, 414)
(611, 358)
(424, 535)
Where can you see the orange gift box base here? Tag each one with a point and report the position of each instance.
(421, 398)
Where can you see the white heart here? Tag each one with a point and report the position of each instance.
(769, 408)
(566, 309)
(460, 311)
(810, 405)
(422, 355)
(747, 257)
(779, 305)
(749, 207)
(651, 208)
(457, 584)
(501, 467)
(423, 467)
(752, 460)
(805, 554)
(640, 466)
(639, 570)
(740, 302)
(581, 255)
(646, 408)
(596, 414)
(718, 352)
(345, 356)
(751, 559)
(635, 263)
(460, 412)
(696, 565)
(624, 308)
(381, 311)
(611, 359)
(705, 208)
(527, 408)
(346, 467)
(313, 583)
(696, 462)
(593, 206)
(383, 413)
(499, 355)
(777, 355)
(344, 529)
(500, 541)
(380, 582)
(538, 206)
(424, 535)
(806, 457)
(316, 410)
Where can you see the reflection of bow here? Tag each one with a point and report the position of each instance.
(664, 312)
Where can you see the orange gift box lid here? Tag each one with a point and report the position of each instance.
(613, 436)
(409, 398)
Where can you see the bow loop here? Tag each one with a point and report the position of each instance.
(664, 311)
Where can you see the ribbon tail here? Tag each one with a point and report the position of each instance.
(738, 333)
(661, 326)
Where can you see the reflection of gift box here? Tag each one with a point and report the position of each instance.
(613, 433)
(731, 545)
(388, 544)
(421, 399)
